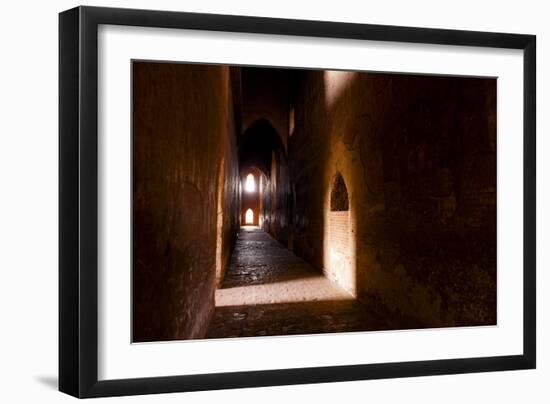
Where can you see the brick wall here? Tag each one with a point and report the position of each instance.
(339, 267)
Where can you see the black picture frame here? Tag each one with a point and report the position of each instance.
(78, 201)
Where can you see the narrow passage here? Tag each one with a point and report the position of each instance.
(268, 290)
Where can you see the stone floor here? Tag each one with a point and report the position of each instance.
(268, 290)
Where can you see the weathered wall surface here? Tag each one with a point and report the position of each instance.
(277, 200)
(176, 164)
(418, 156)
(230, 197)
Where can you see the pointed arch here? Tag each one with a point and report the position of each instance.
(257, 143)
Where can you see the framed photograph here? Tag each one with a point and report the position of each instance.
(251, 201)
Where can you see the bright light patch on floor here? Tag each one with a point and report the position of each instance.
(250, 184)
(310, 288)
(249, 217)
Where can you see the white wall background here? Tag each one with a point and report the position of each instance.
(28, 199)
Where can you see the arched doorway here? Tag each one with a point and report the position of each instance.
(249, 216)
(262, 153)
(339, 265)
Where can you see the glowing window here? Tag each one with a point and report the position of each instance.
(250, 184)
(249, 216)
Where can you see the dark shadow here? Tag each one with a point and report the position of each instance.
(320, 317)
(257, 144)
(317, 317)
(51, 382)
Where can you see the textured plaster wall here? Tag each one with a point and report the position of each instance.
(418, 155)
(175, 196)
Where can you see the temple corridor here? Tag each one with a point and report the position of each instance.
(276, 201)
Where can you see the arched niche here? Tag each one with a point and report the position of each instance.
(339, 265)
(339, 200)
